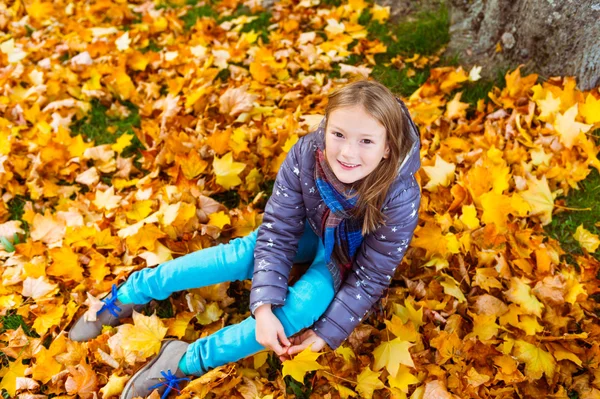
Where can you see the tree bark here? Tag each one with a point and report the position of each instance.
(551, 37)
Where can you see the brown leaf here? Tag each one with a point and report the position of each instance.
(82, 381)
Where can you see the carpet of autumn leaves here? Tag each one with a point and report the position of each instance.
(483, 305)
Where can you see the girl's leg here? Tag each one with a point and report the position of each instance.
(306, 301)
(224, 262)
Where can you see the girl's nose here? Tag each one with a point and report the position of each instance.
(348, 151)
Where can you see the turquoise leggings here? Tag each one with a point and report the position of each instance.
(306, 300)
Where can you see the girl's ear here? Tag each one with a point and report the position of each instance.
(386, 154)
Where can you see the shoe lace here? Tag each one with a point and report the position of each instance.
(109, 303)
(172, 382)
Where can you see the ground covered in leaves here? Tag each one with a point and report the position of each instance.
(133, 133)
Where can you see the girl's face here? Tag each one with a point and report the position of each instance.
(355, 143)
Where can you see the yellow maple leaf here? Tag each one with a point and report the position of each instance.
(403, 331)
(260, 71)
(47, 228)
(65, 264)
(560, 353)
(453, 79)
(455, 109)
(549, 107)
(146, 237)
(537, 361)
(484, 326)
(191, 165)
(344, 391)
(567, 128)
(380, 13)
(219, 219)
(440, 174)
(346, 352)
(475, 379)
(48, 318)
(520, 293)
(45, 366)
(144, 335)
(448, 345)
(227, 171)
(211, 313)
(591, 109)
(160, 254)
(469, 217)
(391, 354)
(586, 239)
(430, 238)
(124, 87)
(530, 325)
(123, 142)
(177, 325)
(114, 386)
(573, 286)
(496, 208)
(367, 382)
(451, 287)
(402, 379)
(301, 364)
(539, 197)
(409, 312)
(15, 370)
(260, 358)
(107, 199)
(40, 11)
(140, 210)
(105, 240)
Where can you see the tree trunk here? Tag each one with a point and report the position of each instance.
(551, 37)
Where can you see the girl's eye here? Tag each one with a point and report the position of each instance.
(369, 141)
(336, 134)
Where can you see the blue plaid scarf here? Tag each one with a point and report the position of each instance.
(341, 233)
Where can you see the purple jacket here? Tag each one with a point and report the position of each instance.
(295, 198)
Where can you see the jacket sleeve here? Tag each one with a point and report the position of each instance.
(279, 234)
(372, 271)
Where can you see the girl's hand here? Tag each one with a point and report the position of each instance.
(303, 341)
(269, 330)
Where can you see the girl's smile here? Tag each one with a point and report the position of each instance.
(355, 143)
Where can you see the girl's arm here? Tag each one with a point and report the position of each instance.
(278, 235)
(376, 261)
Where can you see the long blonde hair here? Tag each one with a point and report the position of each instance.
(379, 102)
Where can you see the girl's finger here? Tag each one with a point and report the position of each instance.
(297, 349)
(282, 338)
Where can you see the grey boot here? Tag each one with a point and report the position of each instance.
(161, 373)
(109, 315)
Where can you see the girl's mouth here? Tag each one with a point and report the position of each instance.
(347, 166)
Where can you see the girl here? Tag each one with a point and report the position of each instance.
(345, 198)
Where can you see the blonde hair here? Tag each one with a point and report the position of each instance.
(379, 102)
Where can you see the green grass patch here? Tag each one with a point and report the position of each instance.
(230, 198)
(193, 14)
(259, 25)
(564, 224)
(424, 34)
(16, 209)
(95, 126)
(397, 80)
(152, 46)
(12, 321)
(472, 92)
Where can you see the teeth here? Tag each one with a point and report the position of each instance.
(347, 164)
